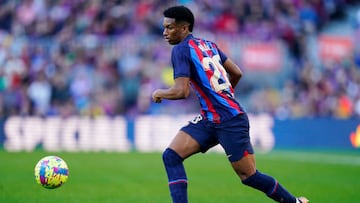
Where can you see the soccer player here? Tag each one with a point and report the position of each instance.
(213, 76)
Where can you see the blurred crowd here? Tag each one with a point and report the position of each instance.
(93, 57)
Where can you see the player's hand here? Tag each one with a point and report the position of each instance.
(155, 96)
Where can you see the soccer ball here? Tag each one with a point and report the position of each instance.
(51, 172)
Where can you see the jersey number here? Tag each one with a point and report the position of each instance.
(219, 73)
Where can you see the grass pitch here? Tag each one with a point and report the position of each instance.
(140, 178)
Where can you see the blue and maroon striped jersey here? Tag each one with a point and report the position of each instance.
(201, 61)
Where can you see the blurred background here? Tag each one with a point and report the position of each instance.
(66, 58)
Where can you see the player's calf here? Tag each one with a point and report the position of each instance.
(270, 187)
(176, 176)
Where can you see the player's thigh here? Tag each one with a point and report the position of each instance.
(184, 145)
(196, 136)
(233, 136)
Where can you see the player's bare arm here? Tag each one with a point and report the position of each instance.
(234, 72)
(180, 90)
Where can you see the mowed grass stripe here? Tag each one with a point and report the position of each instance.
(140, 178)
(316, 157)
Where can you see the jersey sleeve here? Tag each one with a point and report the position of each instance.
(181, 61)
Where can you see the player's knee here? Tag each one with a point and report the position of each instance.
(170, 157)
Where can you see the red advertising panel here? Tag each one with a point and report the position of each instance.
(262, 57)
(335, 48)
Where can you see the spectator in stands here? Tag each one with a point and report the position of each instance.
(47, 36)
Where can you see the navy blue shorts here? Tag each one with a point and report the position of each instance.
(232, 135)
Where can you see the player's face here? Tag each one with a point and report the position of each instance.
(174, 32)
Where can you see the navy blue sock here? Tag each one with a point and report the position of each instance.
(176, 175)
(270, 187)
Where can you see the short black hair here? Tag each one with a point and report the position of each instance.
(180, 13)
